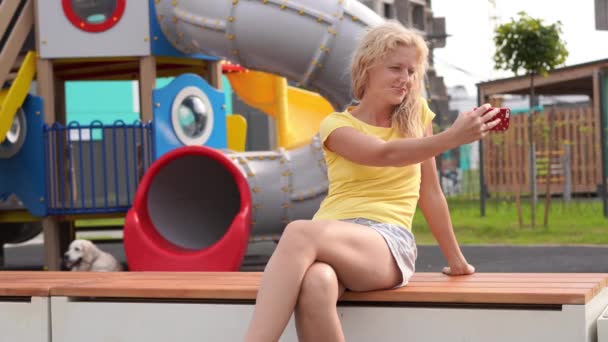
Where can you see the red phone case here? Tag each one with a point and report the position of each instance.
(504, 115)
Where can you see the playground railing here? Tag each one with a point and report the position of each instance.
(95, 168)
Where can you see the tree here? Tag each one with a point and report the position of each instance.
(527, 45)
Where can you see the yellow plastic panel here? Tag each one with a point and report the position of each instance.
(236, 126)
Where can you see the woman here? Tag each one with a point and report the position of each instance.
(380, 159)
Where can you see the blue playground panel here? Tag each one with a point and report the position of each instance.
(165, 138)
(24, 174)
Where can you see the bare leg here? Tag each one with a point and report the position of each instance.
(316, 313)
(359, 255)
(280, 286)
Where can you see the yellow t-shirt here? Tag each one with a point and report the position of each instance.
(383, 194)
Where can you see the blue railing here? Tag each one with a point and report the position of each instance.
(95, 168)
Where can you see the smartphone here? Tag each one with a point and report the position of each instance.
(504, 115)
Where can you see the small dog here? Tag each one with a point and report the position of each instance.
(84, 256)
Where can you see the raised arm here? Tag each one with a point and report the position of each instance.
(367, 150)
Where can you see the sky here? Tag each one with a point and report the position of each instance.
(467, 57)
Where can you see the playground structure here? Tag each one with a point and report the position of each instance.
(189, 205)
(182, 203)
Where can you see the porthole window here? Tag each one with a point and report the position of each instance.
(15, 137)
(192, 116)
(94, 15)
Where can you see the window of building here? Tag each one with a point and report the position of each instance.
(418, 17)
(389, 11)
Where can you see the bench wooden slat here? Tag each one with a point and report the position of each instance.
(415, 292)
(254, 276)
(470, 295)
(496, 288)
(406, 294)
(518, 274)
(439, 281)
(37, 283)
(129, 282)
(420, 276)
(23, 290)
(560, 277)
(10, 275)
(600, 280)
(451, 285)
(464, 284)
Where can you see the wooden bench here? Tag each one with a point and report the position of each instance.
(134, 306)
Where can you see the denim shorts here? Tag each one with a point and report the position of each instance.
(400, 242)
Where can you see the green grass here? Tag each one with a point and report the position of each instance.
(577, 222)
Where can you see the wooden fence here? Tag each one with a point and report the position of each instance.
(570, 149)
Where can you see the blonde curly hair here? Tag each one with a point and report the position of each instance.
(375, 45)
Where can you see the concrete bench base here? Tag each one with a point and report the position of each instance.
(602, 326)
(24, 319)
(159, 321)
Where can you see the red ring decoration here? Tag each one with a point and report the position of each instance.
(83, 25)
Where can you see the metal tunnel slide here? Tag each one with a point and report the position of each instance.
(307, 41)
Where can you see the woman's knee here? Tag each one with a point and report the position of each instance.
(299, 233)
(319, 286)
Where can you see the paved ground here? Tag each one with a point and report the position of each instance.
(430, 259)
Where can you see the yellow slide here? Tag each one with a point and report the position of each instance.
(298, 113)
(12, 98)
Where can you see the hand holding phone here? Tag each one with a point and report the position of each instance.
(468, 127)
(504, 115)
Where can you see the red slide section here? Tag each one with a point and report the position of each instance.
(192, 212)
